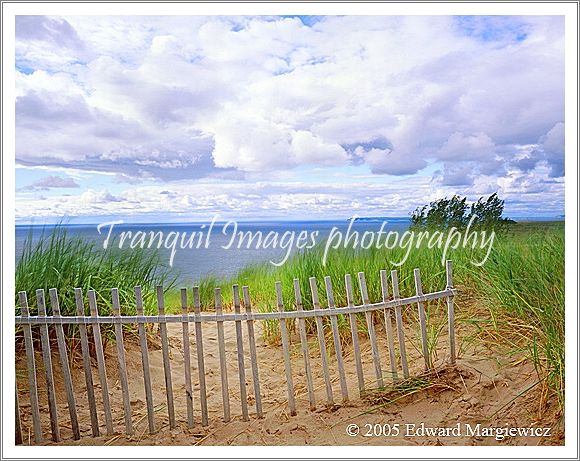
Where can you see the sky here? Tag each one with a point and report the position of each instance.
(176, 118)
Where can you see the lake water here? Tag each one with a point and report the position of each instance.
(217, 259)
(210, 255)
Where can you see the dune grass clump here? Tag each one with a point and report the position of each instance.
(58, 260)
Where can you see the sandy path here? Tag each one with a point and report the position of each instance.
(471, 393)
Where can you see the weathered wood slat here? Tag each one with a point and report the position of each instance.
(304, 345)
(145, 361)
(422, 320)
(101, 361)
(240, 348)
(48, 372)
(165, 354)
(253, 352)
(223, 358)
(321, 343)
(389, 325)
(354, 334)
(187, 359)
(31, 365)
(87, 365)
(286, 350)
(400, 326)
(17, 422)
(336, 340)
(122, 363)
(371, 330)
(450, 311)
(200, 358)
(61, 341)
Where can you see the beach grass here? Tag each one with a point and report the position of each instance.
(57, 260)
(518, 291)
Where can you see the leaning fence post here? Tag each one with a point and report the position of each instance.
(388, 324)
(253, 353)
(321, 342)
(87, 363)
(371, 328)
(100, 361)
(186, 358)
(222, 352)
(200, 358)
(31, 365)
(145, 359)
(165, 353)
(304, 345)
(17, 423)
(240, 348)
(422, 320)
(65, 365)
(450, 311)
(48, 372)
(354, 334)
(286, 349)
(400, 327)
(336, 338)
(122, 364)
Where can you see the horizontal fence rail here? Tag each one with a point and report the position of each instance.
(285, 317)
(131, 319)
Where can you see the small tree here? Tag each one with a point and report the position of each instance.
(488, 213)
(454, 212)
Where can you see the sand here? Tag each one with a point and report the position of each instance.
(480, 389)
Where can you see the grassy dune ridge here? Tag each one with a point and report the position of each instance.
(518, 292)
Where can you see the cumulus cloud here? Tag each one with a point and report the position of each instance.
(183, 98)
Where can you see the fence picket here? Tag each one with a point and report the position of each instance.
(422, 320)
(286, 350)
(48, 372)
(371, 330)
(186, 358)
(450, 311)
(61, 341)
(354, 334)
(223, 358)
(165, 353)
(253, 352)
(240, 348)
(122, 364)
(304, 345)
(145, 361)
(321, 342)
(87, 364)
(389, 324)
(336, 339)
(101, 361)
(200, 358)
(31, 365)
(400, 327)
(17, 422)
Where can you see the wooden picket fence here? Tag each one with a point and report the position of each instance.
(283, 316)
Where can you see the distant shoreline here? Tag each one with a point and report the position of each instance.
(371, 219)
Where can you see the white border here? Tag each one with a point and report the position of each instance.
(8, 185)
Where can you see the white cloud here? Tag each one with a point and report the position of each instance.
(175, 98)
